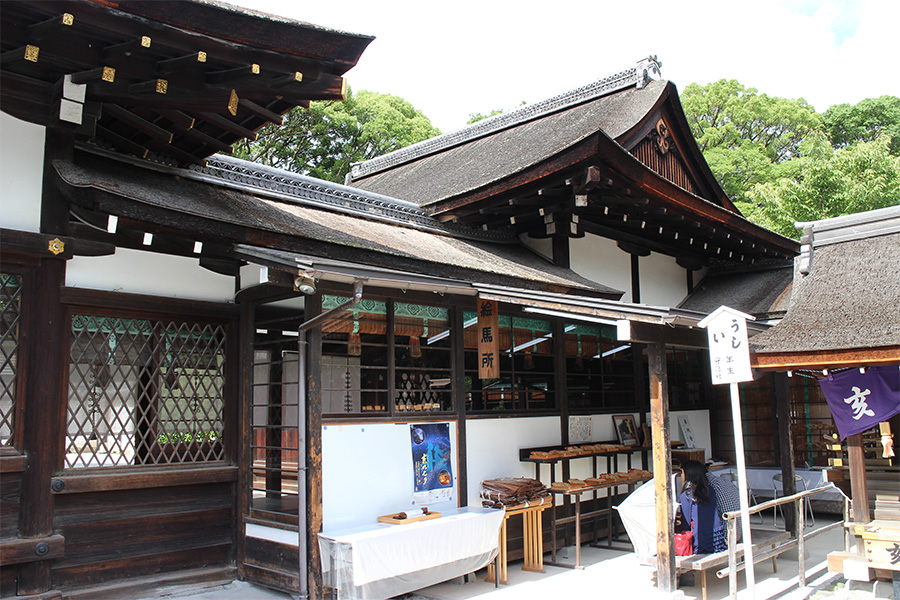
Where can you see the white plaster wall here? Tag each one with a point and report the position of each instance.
(600, 260)
(367, 471)
(138, 272)
(663, 282)
(493, 448)
(21, 166)
(543, 246)
(699, 425)
(602, 430)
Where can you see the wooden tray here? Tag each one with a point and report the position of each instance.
(390, 518)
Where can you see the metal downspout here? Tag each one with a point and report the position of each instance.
(302, 549)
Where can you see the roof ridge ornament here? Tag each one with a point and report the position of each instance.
(648, 69)
(639, 76)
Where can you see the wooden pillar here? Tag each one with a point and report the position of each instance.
(44, 338)
(662, 467)
(243, 457)
(561, 251)
(58, 144)
(781, 391)
(858, 487)
(457, 345)
(636, 278)
(559, 368)
(313, 428)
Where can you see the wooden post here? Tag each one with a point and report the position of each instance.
(781, 389)
(45, 411)
(313, 428)
(457, 343)
(244, 457)
(662, 467)
(858, 487)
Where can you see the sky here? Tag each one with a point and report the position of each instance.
(454, 58)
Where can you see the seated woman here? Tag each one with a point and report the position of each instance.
(700, 509)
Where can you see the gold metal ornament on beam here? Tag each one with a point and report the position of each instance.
(56, 246)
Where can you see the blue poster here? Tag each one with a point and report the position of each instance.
(432, 462)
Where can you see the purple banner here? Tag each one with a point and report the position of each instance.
(860, 401)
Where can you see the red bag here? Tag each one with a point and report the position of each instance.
(684, 543)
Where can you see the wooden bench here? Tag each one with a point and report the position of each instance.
(763, 539)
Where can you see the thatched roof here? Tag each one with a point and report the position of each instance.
(846, 293)
(763, 292)
(462, 168)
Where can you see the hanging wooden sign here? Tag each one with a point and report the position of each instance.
(488, 339)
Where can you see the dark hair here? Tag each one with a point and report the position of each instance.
(695, 481)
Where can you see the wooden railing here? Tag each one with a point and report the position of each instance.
(798, 542)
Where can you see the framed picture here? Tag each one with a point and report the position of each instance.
(626, 430)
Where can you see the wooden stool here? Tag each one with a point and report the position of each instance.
(532, 534)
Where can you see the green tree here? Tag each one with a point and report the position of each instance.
(864, 121)
(327, 138)
(475, 117)
(745, 135)
(828, 183)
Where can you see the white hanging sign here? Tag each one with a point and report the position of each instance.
(729, 348)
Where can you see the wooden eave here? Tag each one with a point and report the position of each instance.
(597, 186)
(157, 88)
(670, 110)
(826, 359)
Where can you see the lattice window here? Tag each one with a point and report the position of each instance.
(144, 392)
(10, 311)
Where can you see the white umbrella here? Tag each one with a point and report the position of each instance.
(638, 513)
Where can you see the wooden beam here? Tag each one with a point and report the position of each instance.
(228, 125)
(637, 331)
(135, 44)
(231, 75)
(260, 111)
(29, 53)
(153, 86)
(852, 357)
(105, 74)
(202, 138)
(592, 179)
(111, 481)
(17, 551)
(13, 241)
(143, 125)
(52, 26)
(121, 142)
(291, 79)
(179, 118)
(662, 468)
(180, 63)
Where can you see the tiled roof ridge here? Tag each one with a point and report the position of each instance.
(639, 75)
(328, 195)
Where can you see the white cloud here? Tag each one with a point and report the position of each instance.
(453, 59)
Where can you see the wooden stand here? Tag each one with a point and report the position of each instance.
(533, 539)
(576, 494)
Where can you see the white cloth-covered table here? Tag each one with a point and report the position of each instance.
(759, 479)
(383, 560)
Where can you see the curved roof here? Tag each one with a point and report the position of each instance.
(243, 205)
(472, 165)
